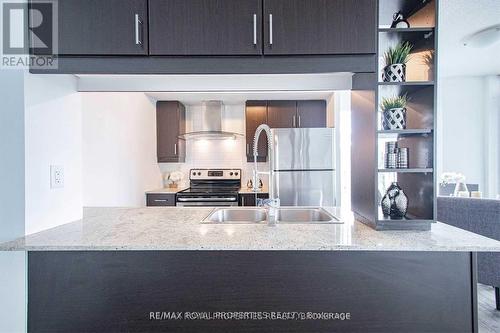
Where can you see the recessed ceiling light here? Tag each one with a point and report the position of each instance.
(483, 38)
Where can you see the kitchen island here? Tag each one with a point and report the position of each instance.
(160, 269)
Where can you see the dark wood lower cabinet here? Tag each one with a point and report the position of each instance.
(250, 199)
(251, 291)
(160, 199)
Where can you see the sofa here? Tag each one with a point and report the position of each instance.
(481, 216)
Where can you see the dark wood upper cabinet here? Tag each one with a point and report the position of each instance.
(282, 114)
(311, 113)
(316, 27)
(255, 115)
(205, 27)
(170, 123)
(103, 27)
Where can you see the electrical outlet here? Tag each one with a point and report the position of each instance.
(56, 176)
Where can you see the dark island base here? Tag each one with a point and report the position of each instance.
(136, 291)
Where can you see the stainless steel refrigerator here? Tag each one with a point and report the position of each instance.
(304, 166)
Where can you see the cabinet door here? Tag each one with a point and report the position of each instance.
(205, 27)
(103, 27)
(311, 113)
(170, 123)
(153, 199)
(319, 26)
(255, 115)
(248, 199)
(282, 114)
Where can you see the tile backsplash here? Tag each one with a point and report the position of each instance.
(216, 153)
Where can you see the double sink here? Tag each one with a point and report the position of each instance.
(259, 215)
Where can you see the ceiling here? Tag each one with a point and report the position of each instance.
(458, 19)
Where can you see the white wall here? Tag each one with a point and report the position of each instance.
(119, 149)
(468, 117)
(53, 137)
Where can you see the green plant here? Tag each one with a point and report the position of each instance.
(394, 102)
(429, 58)
(399, 54)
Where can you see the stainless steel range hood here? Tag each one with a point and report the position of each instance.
(209, 125)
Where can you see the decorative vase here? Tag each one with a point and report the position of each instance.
(395, 202)
(394, 73)
(461, 189)
(394, 119)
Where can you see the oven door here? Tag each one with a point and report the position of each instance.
(206, 201)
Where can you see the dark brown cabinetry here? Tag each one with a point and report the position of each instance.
(303, 27)
(205, 27)
(280, 114)
(311, 113)
(170, 123)
(249, 199)
(160, 199)
(255, 115)
(103, 27)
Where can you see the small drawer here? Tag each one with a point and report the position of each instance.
(160, 199)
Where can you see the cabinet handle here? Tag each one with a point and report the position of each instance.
(254, 29)
(270, 29)
(248, 150)
(175, 148)
(138, 21)
(293, 121)
(160, 200)
(299, 121)
(243, 200)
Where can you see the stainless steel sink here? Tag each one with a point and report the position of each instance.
(305, 215)
(259, 215)
(237, 215)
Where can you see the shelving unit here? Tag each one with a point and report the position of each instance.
(405, 132)
(408, 170)
(418, 180)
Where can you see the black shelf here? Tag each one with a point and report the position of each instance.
(407, 83)
(408, 170)
(407, 223)
(405, 132)
(397, 30)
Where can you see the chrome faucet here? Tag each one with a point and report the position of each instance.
(273, 202)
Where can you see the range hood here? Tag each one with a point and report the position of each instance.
(209, 124)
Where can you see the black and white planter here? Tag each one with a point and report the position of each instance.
(394, 73)
(394, 119)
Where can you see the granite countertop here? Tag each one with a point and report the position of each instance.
(177, 228)
(242, 190)
(166, 190)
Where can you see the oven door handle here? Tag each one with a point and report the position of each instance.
(205, 199)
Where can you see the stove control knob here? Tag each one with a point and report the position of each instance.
(194, 173)
(199, 173)
(230, 173)
(236, 174)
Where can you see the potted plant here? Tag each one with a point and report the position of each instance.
(175, 177)
(394, 112)
(395, 62)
